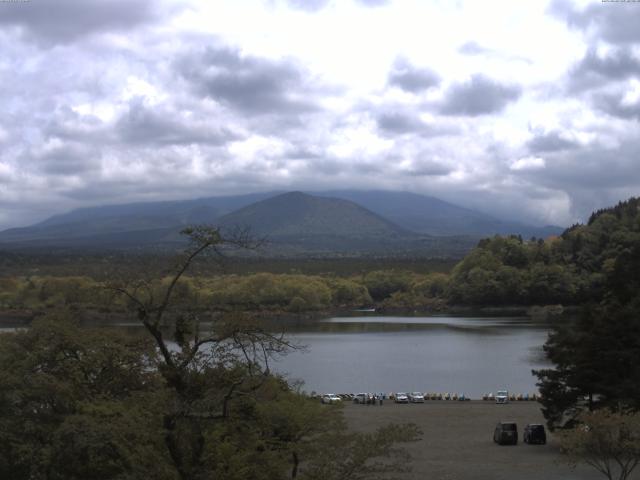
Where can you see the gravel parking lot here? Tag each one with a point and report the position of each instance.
(458, 441)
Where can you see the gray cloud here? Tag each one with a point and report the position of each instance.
(66, 159)
(398, 122)
(593, 167)
(425, 166)
(66, 124)
(395, 122)
(303, 152)
(479, 96)
(614, 105)
(250, 84)
(550, 142)
(412, 79)
(72, 136)
(600, 81)
(148, 126)
(614, 22)
(62, 21)
(595, 71)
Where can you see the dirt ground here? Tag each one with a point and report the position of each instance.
(457, 443)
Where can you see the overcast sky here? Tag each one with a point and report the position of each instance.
(526, 109)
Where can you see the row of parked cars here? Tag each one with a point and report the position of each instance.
(445, 396)
(503, 396)
(369, 398)
(412, 397)
(506, 433)
(400, 397)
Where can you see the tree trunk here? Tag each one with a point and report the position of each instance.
(296, 462)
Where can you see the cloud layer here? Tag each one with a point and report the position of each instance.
(531, 115)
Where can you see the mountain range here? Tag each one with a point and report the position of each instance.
(294, 223)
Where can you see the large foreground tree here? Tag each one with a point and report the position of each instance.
(79, 403)
(183, 401)
(207, 371)
(596, 357)
(596, 364)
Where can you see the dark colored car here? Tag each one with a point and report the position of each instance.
(534, 433)
(506, 433)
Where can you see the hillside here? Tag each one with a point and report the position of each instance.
(296, 222)
(300, 214)
(133, 225)
(571, 269)
(432, 216)
(392, 223)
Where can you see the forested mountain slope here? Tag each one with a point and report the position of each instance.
(568, 269)
(432, 216)
(154, 225)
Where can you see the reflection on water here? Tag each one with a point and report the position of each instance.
(475, 325)
(445, 354)
(471, 355)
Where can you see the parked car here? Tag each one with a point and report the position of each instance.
(502, 396)
(330, 398)
(534, 433)
(506, 433)
(416, 397)
(363, 398)
(402, 398)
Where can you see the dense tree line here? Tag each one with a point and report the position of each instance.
(79, 403)
(178, 402)
(597, 356)
(569, 269)
(265, 292)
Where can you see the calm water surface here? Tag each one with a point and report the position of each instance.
(471, 355)
(430, 354)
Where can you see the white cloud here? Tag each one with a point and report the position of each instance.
(184, 99)
(528, 163)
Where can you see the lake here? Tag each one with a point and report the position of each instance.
(429, 354)
(470, 355)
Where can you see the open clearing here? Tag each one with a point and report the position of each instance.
(457, 441)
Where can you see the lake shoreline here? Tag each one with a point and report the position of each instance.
(360, 351)
(11, 318)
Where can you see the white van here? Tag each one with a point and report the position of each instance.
(502, 396)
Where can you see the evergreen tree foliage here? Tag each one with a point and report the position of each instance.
(597, 357)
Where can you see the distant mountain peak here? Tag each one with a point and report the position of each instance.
(330, 221)
(294, 194)
(301, 214)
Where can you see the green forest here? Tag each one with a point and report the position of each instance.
(90, 402)
(81, 403)
(501, 271)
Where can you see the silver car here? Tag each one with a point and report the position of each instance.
(416, 397)
(401, 397)
(330, 398)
